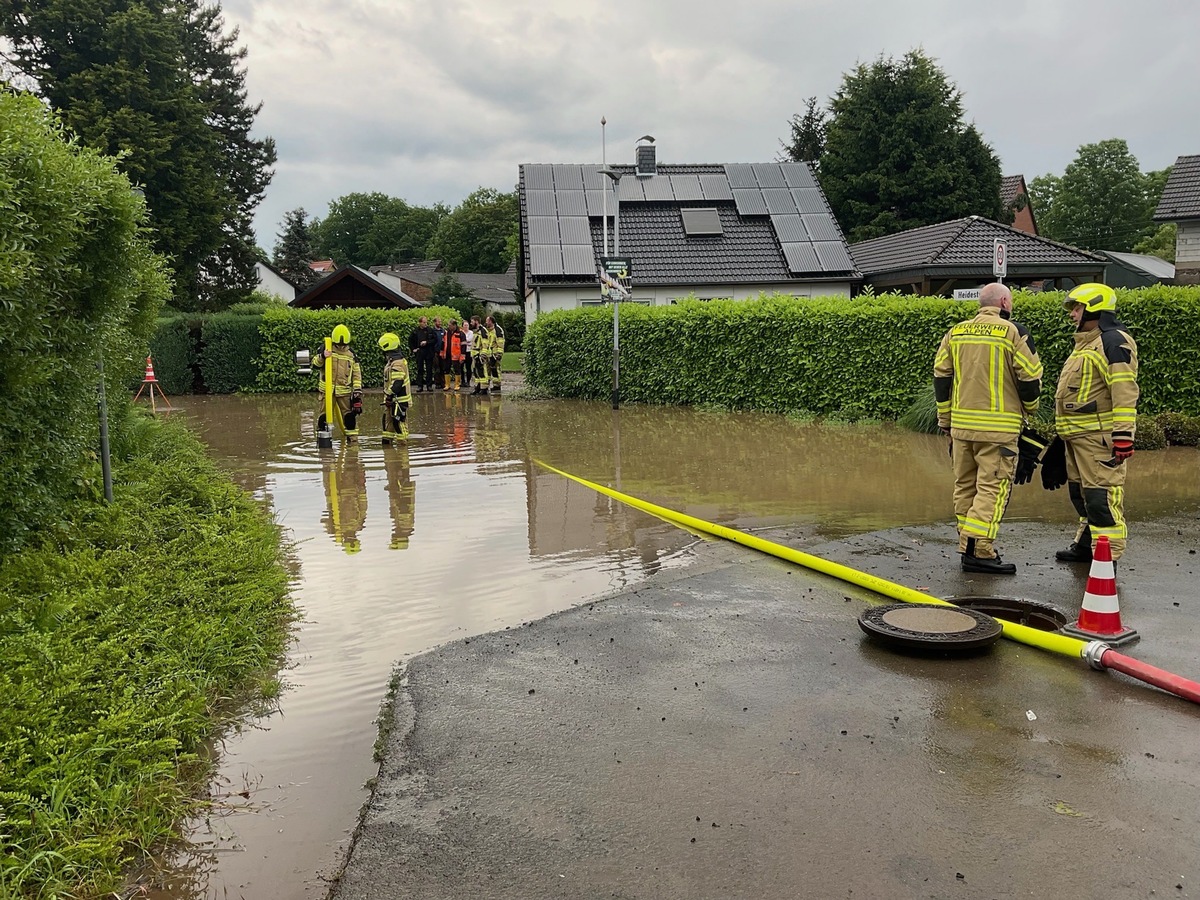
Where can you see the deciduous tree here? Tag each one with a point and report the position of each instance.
(478, 235)
(898, 153)
(375, 230)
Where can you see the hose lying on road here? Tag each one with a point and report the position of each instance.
(1096, 653)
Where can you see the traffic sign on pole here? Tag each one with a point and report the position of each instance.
(999, 258)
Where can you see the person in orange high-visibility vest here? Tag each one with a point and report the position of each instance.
(454, 354)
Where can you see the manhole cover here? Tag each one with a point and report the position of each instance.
(929, 627)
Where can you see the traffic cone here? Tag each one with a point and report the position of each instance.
(149, 379)
(149, 372)
(1100, 617)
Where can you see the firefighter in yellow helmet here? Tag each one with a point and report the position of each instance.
(1095, 413)
(987, 379)
(347, 383)
(397, 392)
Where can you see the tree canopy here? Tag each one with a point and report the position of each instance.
(294, 249)
(1102, 201)
(162, 87)
(807, 143)
(375, 230)
(898, 153)
(479, 235)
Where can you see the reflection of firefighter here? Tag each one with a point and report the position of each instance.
(489, 438)
(402, 495)
(396, 390)
(346, 498)
(347, 384)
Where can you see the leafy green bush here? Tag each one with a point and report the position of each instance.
(286, 330)
(829, 356)
(514, 329)
(1149, 434)
(77, 278)
(122, 629)
(1188, 434)
(231, 345)
(173, 349)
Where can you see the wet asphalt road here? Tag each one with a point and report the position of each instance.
(727, 731)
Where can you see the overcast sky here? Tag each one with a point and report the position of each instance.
(429, 99)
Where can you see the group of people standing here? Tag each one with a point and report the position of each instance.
(444, 357)
(987, 382)
(450, 357)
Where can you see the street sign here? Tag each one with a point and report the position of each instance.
(999, 258)
(615, 284)
(967, 294)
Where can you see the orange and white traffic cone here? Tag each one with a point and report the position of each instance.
(149, 371)
(1100, 617)
(150, 380)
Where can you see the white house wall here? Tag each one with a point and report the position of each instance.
(270, 283)
(543, 300)
(1187, 245)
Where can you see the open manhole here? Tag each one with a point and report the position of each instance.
(1037, 615)
(930, 628)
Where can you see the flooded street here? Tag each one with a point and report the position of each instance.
(460, 533)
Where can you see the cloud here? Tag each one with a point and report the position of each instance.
(428, 101)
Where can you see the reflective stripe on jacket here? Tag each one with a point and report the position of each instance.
(986, 377)
(347, 373)
(1098, 390)
(395, 378)
(452, 347)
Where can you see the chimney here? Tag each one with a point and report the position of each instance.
(645, 157)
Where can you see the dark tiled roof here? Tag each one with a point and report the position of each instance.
(777, 225)
(352, 286)
(425, 272)
(490, 288)
(1011, 187)
(1181, 196)
(962, 243)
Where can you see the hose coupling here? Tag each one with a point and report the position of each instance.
(1093, 652)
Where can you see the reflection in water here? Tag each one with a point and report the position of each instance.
(498, 541)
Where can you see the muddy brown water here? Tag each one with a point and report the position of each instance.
(461, 533)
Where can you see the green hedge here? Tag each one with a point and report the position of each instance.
(286, 330)
(851, 359)
(230, 347)
(173, 350)
(78, 279)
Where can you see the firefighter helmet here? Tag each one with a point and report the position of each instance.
(389, 342)
(1094, 298)
(341, 334)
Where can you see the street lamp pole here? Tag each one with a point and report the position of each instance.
(615, 177)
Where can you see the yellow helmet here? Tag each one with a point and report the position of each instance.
(1095, 298)
(341, 334)
(389, 342)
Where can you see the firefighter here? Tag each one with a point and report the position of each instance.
(484, 340)
(397, 394)
(347, 384)
(496, 345)
(1095, 413)
(987, 378)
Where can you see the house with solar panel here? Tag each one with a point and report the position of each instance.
(729, 231)
(1180, 204)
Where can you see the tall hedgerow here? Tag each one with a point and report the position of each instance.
(77, 278)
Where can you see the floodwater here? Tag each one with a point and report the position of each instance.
(460, 532)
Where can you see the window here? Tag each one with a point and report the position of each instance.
(701, 222)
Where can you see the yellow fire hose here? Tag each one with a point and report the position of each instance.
(1055, 643)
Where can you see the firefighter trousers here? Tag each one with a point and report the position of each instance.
(1096, 484)
(983, 474)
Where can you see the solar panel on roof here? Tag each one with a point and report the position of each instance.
(750, 201)
(833, 256)
(658, 188)
(568, 177)
(779, 201)
(797, 175)
(686, 187)
(769, 175)
(809, 200)
(741, 175)
(571, 203)
(543, 230)
(592, 179)
(539, 177)
(789, 228)
(575, 230)
(700, 221)
(631, 189)
(579, 260)
(822, 228)
(801, 258)
(595, 203)
(540, 203)
(545, 260)
(715, 187)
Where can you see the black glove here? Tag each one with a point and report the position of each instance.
(1054, 465)
(356, 404)
(1029, 447)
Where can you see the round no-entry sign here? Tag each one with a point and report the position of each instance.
(999, 258)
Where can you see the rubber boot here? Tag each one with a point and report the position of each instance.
(458, 382)
(1080, 549)
(985, 565)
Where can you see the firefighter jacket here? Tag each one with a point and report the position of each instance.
(986, 378)
(1098, 390)
(396, 382)
(498, 341)
(484, 342)
(347, 373)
